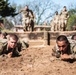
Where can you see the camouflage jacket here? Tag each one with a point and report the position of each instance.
(70, 50)
(24, 43)
(27, 13)
(4, 49)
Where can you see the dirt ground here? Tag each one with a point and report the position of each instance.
(36, 61)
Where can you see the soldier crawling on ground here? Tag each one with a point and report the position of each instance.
(27, 18)
(64, 49)
(12, 46)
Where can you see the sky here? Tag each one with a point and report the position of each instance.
(60, 2)
(64, 2)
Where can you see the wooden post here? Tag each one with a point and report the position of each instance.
(45, 38)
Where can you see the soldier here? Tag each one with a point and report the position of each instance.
(73, 37)
(10, 48)
(1, 24)
(3, 35)
(52, 25)
(64, 49)
(63, 18)
(56, 21)
(27, 18)
(24, 43)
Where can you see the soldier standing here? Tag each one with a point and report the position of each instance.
(27, 18)
(52, 25)
(63, 18)
(56, 21)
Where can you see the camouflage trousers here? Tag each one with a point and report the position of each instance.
(28, 24)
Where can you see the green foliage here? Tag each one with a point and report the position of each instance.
(71, 22)
(72, 19)
(6, 9)
(8, 24)
(72, 11)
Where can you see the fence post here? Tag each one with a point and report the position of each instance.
(46, 38)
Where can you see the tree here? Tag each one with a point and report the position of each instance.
(44, 10)
(6, 9)
(72, 12)
(72, 18)
(17, 19)
(71, 22)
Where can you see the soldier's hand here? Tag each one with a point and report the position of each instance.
(9, 54)
(64, 56)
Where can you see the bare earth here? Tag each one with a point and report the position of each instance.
(36, 61)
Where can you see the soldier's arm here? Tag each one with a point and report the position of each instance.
(16, 53)
(65, 56)
(73, 55)
(55, 52)
(2, 54)
(1, 49)
(24, 43)
(54, 18)
(9, 54)
(70, 56)
(32, 14)
(21, 10)
(61, 12)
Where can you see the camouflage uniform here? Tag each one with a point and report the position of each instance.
(32, 19)
(4, 49)
(70, 50)
(27, 19)
(52, 25)
(24, 43)
(63, 18)
(56, 22)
